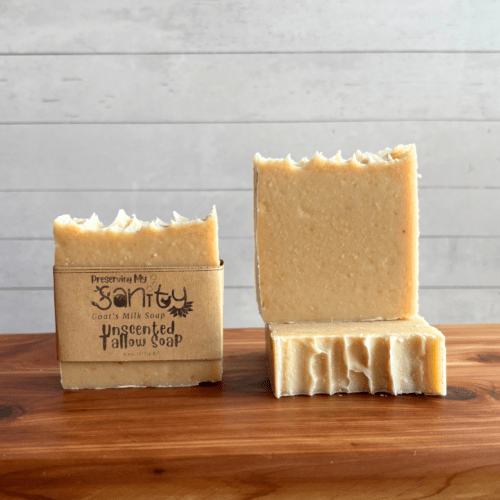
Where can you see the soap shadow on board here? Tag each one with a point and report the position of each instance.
(246, 374)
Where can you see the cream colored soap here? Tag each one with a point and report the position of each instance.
(337, 239)
(130, 242)
(401, 356)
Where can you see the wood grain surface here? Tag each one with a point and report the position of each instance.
(235, 440)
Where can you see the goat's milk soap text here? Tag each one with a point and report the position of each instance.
(138, 304)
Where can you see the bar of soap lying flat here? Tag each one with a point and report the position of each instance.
(130, 242)
(337, 240)
(399, 356)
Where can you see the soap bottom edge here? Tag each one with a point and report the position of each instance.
(116, 375)
(341, 393)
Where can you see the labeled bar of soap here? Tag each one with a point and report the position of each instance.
(335, 239)
(128, 242)
(396, 357)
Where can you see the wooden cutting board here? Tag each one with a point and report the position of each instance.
(235, 440)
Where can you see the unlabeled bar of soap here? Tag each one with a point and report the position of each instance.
(400, 356)
(337, 239)
(128, 242)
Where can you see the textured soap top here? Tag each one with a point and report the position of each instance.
(127, 241)
(398, 154)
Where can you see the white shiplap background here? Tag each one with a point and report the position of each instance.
(155, 106)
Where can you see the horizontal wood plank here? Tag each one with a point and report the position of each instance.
(254, 87)
(37, 211)
(219, 156)
(459, 262)
(443, 211)
(33, 310)
(234, 439)
(460, 306)
(211, 26)
(443, 262)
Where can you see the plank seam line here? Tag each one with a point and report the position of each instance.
(194, 190)
(145, 190)
(51, 238)
(257, 122)
(460, 287)
(456, 236)
(242, 53)
(47, 288)
(248, 287)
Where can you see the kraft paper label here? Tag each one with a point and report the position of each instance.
(139, 314)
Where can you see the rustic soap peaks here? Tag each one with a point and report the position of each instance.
(91, 224)
(359, 159)
(128, 241)
(179, 219)
(124, 223)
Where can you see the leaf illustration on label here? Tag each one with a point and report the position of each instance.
(182, 312)
(104, 296)
(183, 309)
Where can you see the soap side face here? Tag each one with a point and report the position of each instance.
(336, 240)
(107, 375)
(396, 357)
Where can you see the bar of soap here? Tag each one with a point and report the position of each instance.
(337, 240)
(128, 242)
(396, 357)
